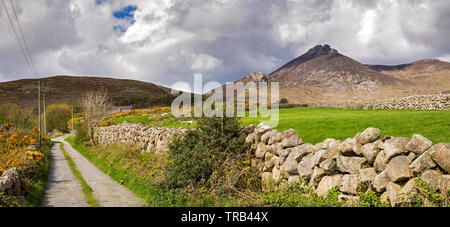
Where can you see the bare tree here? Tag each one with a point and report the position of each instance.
(96, 104)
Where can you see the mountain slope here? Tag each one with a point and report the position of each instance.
(428, 75)
(68, 89)
(324, 67)
(323, 74)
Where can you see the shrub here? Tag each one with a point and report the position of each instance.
(33, 177)
(15, 151)
(2, 116)
(212, 147)
(57, 116)
(19, 117)
(427, 191)
(369, 199)
(284, 101)
(8, 201)
(108, 123)
(300, 196)
(81, 132)
(14, 148)
(96, 104)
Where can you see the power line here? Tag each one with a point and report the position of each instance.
(23, 38)
(17, 37)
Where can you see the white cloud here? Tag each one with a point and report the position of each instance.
(204, 63)
(170, 40)
(144, 28)
(367, 27)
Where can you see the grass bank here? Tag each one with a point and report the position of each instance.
(87, 190)
(316, 124)
(34, 178)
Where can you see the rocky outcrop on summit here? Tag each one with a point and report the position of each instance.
(254, 77)
(312, 53)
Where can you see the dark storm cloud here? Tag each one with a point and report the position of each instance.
(170, 40)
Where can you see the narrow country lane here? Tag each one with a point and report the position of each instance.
(106, 191)
(62, 189)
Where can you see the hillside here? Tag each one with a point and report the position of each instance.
(428, 75)
(68, 89)
(323, 74)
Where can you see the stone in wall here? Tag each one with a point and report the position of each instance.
(9, 182)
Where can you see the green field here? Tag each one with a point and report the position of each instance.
(316, 124)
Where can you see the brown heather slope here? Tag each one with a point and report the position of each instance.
(68, 89)
(428, 75)
(323, 74)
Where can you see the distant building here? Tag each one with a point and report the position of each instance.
(119, 109)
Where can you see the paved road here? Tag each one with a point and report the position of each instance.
(106, 191)
(62, 189)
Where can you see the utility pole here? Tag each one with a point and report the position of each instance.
(39, 111)
(45, 120)
(72, 119)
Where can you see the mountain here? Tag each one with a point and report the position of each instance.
(323, 74)
(69, 89)
(428, 75)
(254, 77)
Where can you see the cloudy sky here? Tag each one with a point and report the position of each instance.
(166, 41)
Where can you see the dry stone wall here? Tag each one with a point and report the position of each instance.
(150, 139)
(387, 166)
(418, 102)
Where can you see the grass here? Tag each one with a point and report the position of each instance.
(35, 192)
(136, 119)
(316, 124)
(87, 190)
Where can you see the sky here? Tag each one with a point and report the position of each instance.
(168, 41)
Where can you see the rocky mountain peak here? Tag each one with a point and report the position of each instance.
(321, 50)
(256, 77)
(317, 51)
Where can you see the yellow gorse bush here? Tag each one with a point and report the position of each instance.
(141, 112)
(108, 123)
(15, 147)
(75, 120)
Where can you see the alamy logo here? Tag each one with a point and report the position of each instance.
(230, 100)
